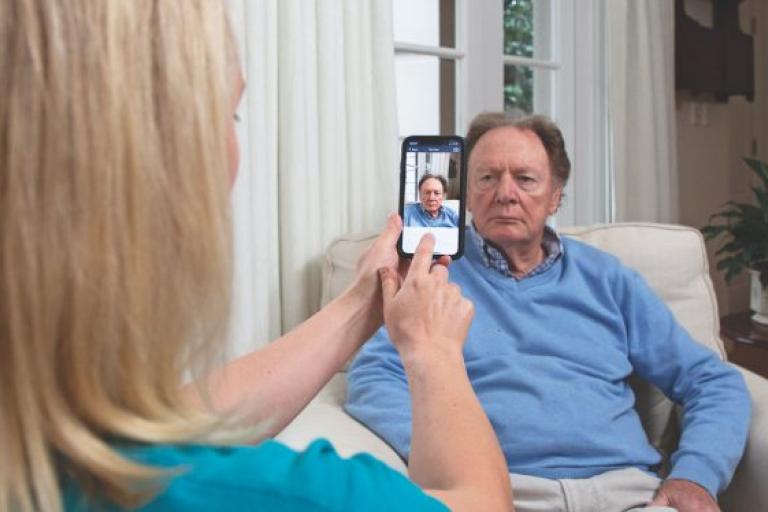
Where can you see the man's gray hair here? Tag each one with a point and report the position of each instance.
(437, 177)
(545, 129)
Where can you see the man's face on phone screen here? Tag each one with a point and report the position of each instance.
(431, 195)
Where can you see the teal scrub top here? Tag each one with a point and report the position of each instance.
(268, 477)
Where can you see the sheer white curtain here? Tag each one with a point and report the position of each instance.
(640, 42)
(318, 149)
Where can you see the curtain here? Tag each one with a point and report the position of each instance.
(319, 150)
(640, 60)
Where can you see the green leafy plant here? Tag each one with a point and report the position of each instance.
(745, 227)
(518, 41)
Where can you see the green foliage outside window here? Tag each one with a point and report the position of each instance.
(518, 40)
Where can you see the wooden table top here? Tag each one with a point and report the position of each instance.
(741, 329)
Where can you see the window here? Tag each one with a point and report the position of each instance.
(426, 58)
(529, 66)
(457, 58)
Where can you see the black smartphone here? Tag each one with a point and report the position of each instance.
(433, 184)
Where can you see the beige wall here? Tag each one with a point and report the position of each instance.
(712, 139)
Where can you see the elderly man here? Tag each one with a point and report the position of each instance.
(430, 212)
(559, 328)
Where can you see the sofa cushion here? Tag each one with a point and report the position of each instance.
(324, 417)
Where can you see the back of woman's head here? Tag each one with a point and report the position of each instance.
(114, 233)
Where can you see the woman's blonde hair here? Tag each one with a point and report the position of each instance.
(115, 238)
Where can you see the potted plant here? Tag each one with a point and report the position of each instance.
(745, 228)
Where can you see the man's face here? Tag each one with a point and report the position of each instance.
(431, 195)
(511, 187)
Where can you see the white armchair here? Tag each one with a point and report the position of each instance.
(674, 262)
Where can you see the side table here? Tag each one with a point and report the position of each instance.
(750, 342)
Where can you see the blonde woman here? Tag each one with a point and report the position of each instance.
(116, 137)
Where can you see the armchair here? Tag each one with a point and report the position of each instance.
(674, 262)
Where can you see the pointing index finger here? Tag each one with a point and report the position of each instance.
(422, 257)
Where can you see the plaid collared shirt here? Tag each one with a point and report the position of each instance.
(497, 260)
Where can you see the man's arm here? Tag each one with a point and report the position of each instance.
(716, 404)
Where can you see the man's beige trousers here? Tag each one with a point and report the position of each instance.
(622, 490)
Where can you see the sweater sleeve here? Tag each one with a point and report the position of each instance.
(377, 392)
(716, 404)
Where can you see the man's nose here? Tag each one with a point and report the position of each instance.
(507, 190)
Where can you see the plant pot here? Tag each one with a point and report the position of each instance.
(758, 298)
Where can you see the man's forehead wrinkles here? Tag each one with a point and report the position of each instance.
(488, 165)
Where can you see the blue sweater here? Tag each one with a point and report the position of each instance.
(416, 216)
(549, 357)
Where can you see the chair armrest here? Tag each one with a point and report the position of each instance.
(325, 418)
(748, 489)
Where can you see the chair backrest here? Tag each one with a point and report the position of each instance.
(671, 258)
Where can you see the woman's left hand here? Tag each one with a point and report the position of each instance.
(381, 254)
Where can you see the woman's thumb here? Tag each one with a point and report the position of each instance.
(389, 284)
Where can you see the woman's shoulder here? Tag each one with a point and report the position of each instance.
(272, 476)
(278, 477)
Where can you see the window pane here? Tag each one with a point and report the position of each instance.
(427, 22)
(426, 95)
(529, 89)
(527, 26)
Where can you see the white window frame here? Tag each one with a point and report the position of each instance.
(579, 91)
(456, 54)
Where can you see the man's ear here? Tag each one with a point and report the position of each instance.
(556, 200)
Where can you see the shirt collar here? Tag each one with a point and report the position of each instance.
(495, 259)
(426, 213)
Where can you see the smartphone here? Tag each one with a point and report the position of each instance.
(433, 184)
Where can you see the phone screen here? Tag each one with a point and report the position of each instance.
(432, 193)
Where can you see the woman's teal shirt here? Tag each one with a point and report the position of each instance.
(268, 477)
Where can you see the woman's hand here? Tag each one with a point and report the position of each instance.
(425, 313)
(382, 254)
(366, 287)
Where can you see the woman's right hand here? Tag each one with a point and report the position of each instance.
(425, 313)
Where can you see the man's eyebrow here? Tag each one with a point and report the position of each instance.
(526, 168)
(489, 168)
